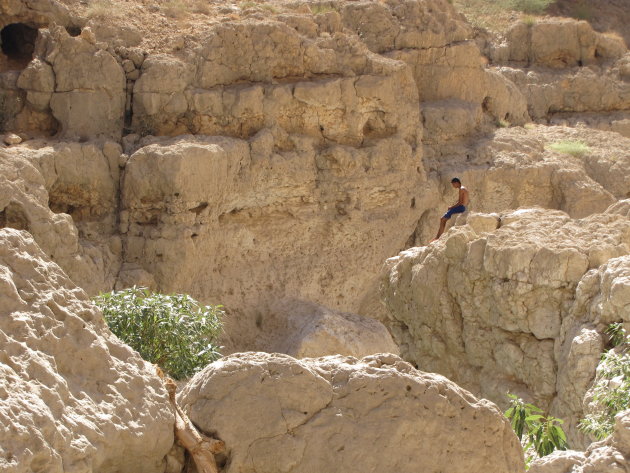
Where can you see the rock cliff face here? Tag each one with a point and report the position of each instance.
(319, 412)
(270, 158)
(65, 195)
(513, 302)
(73, 397)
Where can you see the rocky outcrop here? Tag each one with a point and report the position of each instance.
(516, 167)
(607, 456)
(557, 44)
(564, 67)
(74, 398)
(513, 302)
(66, 196)
(331, 90)
(306, 414)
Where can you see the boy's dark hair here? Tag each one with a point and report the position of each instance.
(455, 179)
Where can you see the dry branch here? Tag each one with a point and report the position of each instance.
(201, 448)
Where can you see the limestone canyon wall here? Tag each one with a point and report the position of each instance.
(272, 158)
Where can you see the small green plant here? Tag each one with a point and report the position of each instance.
(501, 123)
(100, 9)
(611, 389)
(574, 148)
(531, 6)
(529, 20)
(616, 334)
(173, 331)
(247, 5)
(541, 433)
(320, 8)
(269, 8)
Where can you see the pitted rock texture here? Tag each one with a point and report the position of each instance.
(329, 88)
(235, 222)
(74, 398)
(278, 414)
(557, 44)
(65, 195)
(307, 330)
(611, 455)
(513, 302)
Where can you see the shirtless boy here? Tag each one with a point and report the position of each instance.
(459, 207)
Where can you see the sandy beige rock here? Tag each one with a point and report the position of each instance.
(306, 414)
(89, 96)
(515, 167)
(74, 397)
(312, 330)
(332, 89)
(558, 43)
(581, 89)
(621, 208)
(11, 139)
(521, 308)
(65, 195)
(242, 224)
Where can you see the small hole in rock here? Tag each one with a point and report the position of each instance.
(18, 43)
(73, 30)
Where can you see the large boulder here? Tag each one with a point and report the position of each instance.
(310, 330)
(74, 398)
(513, 302)
(277, 414)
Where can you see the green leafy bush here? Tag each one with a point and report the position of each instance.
(574, 148)
(531, 6)
(537, 432)
(611, 389)
(172, 331)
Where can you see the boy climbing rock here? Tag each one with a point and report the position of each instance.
(459, 207)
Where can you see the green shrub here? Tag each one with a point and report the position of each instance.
(611, 389)
(537, 432)
(574, 148)
(320, 8)
(173, 331)
(531, 6)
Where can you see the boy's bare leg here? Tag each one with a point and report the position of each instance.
(441, 230)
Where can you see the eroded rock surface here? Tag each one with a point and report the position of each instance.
(235, 222)
(74, 398)
(307, 330)
(513, 302)
(65, 194)
(285, 415)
